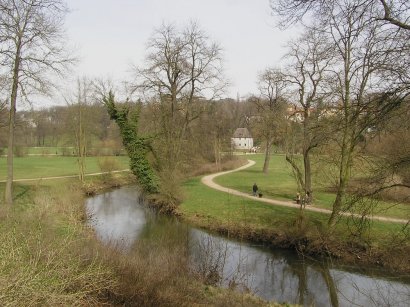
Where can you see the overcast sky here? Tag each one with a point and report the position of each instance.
(110, 35)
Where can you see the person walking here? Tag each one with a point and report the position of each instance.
(297, 199)
(255, 189)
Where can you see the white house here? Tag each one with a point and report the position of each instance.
(242, 139)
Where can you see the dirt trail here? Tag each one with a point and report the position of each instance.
(208, 180)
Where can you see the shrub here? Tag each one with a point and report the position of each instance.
(67, 151)
(20, 151)
(107, 165)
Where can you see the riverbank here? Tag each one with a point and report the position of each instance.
(308, 234)
(50, 257)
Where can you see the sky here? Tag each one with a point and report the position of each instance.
(109, 36)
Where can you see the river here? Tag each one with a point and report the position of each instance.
(119, 217)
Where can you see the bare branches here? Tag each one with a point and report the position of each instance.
(32, 48)
(181, 64)
(293, 11)
(394, 11)
(183, 69)
(31, 32)
(271, 86)
(307, 74)
(368, 44)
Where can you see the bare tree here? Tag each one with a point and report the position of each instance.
(271, 108)
(310, 57)
(182, 68)
(366, 55)
(84, 88)
(32, 47)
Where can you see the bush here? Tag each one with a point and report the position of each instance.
(67, 151)
(20, 151)
(107, 165)
(170, 193)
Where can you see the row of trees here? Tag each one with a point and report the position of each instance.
(55, 127)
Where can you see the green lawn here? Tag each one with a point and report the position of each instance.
(280, 183)
(219, 207)
(213, 209)
(48, 150)
(62, 151)
(49, 166)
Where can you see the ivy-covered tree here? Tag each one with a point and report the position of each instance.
(136, 147)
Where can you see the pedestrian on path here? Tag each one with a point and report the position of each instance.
(297, 199)
(255, 189)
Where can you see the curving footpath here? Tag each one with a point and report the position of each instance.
(208, 181)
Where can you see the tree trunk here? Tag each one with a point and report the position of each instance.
(297, 171)
(308, 176)
(8, 195)
(81, 144)
(346, 146)
(12, 118)
(344, 175)
(217, 153)
(341, 188)
(330, 286)
(267, 155)
(306, 155)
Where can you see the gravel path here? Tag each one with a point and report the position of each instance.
(208, 180)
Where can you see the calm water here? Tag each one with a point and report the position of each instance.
(120, 218)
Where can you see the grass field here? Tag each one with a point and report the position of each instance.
(213, 209)
(62, 151)
(280, 183)
(49, 166)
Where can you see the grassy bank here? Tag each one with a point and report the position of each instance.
(280, 183)
(49, 257)
(285, 227)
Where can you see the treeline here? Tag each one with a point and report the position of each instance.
(57, 126)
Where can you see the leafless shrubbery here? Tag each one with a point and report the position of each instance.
(107, 165)
(41, 267)
(210, 260)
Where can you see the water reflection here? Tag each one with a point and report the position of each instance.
(116, 217)
(272, 274)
